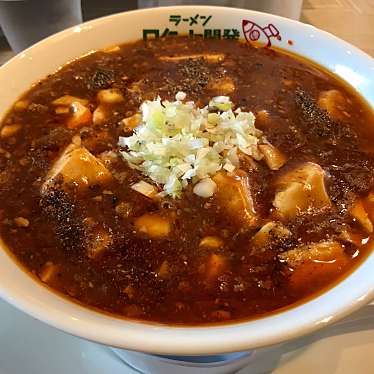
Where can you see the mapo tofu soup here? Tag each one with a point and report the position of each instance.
(188, 181)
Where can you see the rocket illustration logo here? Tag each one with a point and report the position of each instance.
(253, 32)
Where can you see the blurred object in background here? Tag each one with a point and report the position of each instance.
(284, 8)
(25, 22)
(98, 8)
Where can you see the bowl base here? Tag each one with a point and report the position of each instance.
(158, 364)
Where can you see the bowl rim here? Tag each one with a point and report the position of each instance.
(213, 339)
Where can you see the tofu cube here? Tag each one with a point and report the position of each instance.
(324, 251)
(359, 212)
(270, 231)
(234, 196)
(76, 165)
(301, 190)
(153, 225)
(274, 158)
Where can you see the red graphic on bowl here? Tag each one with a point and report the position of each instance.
(253, 32)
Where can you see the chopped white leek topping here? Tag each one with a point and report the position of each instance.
(144, 188)
(177, 142)
(205, 188)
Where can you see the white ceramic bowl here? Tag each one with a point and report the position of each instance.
(45, 57)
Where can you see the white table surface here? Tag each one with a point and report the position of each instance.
(29, 346)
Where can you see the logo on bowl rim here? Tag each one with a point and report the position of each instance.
(199, 26)
(254, 32)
